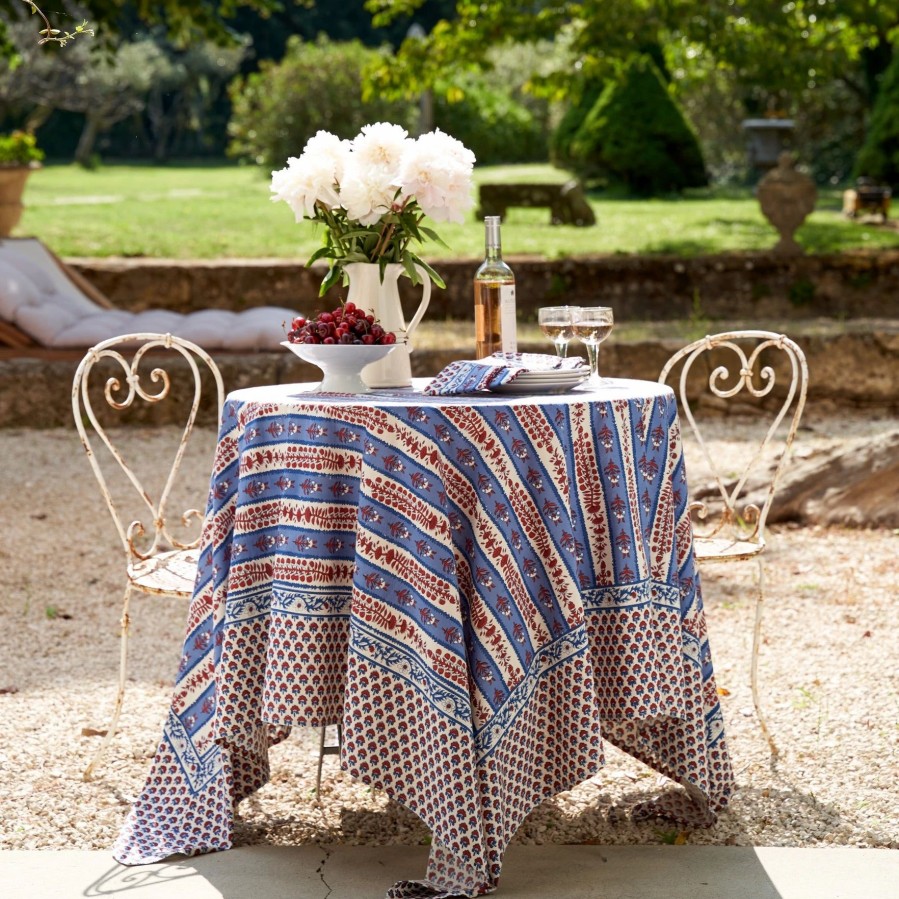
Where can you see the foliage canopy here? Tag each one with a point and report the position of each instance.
(185, 19)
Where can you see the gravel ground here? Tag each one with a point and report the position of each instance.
(829, 673)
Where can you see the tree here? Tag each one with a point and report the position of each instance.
(105, 88)
(183, 90)
(636, 136)
(173, 88)
(316, 86)
(822, 39)
(185, 20)
(879, 157)
(818, 61)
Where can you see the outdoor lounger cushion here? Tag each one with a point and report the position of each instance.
(38, 297)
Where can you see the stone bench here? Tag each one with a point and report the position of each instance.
(567, 203)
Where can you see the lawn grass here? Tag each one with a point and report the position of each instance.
(209, 211)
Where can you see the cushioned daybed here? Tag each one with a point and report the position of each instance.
(46, 304)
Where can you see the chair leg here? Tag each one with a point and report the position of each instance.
(324, 750)
(756, 642)
(124, 627)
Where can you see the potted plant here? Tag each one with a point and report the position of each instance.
(19, 157)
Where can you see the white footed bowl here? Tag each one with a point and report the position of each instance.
(341, 365)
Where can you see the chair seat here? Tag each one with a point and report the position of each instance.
(169, 573)
(725, 549)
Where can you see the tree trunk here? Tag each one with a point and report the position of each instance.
(37, 117)
(87, 141)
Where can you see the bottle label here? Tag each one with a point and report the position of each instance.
(508, 318)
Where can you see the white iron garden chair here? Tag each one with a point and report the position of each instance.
(767, 373)
(157, 563)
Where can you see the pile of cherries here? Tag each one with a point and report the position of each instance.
(347, 325)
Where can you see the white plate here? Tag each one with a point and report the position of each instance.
(569, 378)
(555, 385)
(561, 374)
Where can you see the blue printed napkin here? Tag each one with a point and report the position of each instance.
(470, 375)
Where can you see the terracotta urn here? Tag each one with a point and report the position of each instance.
(12, 186)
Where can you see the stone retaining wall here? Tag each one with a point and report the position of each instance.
(854, 369)
(643, 288)
(855, 363)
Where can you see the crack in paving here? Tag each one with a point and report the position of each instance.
(320, 870)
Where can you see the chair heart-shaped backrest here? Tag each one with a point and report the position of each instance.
(141, 369)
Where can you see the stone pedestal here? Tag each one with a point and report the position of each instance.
(767, 139)
(787, 197)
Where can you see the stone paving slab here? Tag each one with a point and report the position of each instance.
(530, 872)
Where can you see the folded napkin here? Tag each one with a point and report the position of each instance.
(469, 375)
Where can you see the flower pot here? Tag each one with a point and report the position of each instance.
(382, 299)
(12, 186)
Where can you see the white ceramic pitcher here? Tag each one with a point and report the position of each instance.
(382, 299)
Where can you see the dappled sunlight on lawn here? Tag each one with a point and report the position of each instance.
(193, 211)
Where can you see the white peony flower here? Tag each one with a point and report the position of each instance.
(381, 145)
(329, 149)
(437, 172)
(367, 191)
(314, 176)
(442, 145)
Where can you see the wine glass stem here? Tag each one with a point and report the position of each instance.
(561, 348)
(593, 358)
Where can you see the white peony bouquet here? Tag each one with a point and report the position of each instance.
(373, 192)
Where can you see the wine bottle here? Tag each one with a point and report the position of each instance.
(494, 297)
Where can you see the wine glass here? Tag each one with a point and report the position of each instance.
(557, 323)
(592, 325)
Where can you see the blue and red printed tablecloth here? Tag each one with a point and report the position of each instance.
(481, 589)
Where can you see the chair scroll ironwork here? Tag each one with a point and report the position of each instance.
(767, 372)
(157, 562)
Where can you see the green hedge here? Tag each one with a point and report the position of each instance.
(571, 122)
(636, 136)
(315, 86)
(489, 121)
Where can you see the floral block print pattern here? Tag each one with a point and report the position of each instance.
(482, 591)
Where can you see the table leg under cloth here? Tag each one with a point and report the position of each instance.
(480, 598)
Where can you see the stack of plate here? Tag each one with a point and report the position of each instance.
(554, 381)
